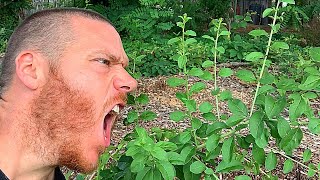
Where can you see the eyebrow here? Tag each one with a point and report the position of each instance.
(114, 59)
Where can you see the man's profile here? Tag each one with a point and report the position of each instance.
(62, 84)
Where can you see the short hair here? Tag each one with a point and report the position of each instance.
(48, 32)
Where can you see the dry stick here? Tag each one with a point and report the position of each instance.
(93, 175)
(288, 157)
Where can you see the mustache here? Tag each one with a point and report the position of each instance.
(120, 98)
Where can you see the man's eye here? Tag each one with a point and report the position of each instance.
(103, 61)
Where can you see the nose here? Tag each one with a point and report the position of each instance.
(124, 82)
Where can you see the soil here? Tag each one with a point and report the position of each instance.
(163, 101)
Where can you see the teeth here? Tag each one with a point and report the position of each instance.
(116, 109)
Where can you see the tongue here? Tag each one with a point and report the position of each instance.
(107, 129)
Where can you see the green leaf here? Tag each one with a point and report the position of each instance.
(256, 124)
(159, 153)
(187, 153)
(195, 72)
(271, 161)
(258, 154)
(132, 116)
(265, 88)
(177, 116)
(212, 142)
(307, 155)
(288, 1)
(224, 33)
(258, 32)
(310, 95)
(225, 95)
(298, 107)
(283, 127)
(185, 137)
(182, 61)
(205, 107)
(209, 116)
(142, 174)
(167, 170)
(243, 177)
(224, 166)
(311, 171)
(279, 45)
(276, 27)
(208, 37)
(190, 33)
(197, 87)
(315, 53)
(174, 40)
(267, 78)
(169, 146)
(314, 125)
(215, 92)
(175, 158)
(234, 120)
(215, 127)
(221, 50)
(186, 174)
(225, 72)
(154, 174)
(312, 70)
(174, 82)
(137, 165)
(196, 123)
(142, 99)
(191, 41)
(267, 11)
(291, 141)
(148, 115)
(311, 82)
(227, 150)
(206, 76)
(237, 107)
(254, 56)
(191, 105)
(246, 75)
(209, 171)
(197, 167)
(288, 166)
(133, 150)
(207, 64)
(273, 108)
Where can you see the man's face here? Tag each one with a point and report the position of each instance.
(74, 108)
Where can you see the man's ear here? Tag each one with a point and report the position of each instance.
(29, 69)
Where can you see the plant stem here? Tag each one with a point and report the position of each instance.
(265, 58)
(215, 66)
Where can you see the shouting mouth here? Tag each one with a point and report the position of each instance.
(109, 121)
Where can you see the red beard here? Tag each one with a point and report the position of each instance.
(61, 115)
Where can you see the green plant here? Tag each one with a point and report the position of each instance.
(294, 17)
(10, 15)
(215, 143)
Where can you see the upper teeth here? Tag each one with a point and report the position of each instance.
(116, 109)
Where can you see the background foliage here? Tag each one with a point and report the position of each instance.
(191, 38)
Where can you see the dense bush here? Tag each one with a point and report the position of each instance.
(11, 12)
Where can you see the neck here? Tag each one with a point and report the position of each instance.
(18, 158)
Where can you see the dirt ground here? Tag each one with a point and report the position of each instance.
(163, 101)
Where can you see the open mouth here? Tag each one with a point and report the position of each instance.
(109, 121)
